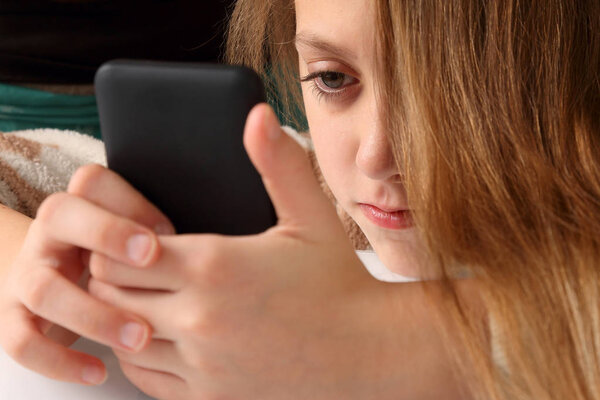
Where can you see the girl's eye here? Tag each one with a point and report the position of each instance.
(330, 84)
(333, 80)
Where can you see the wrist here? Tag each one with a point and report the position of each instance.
(13, 229)
(398, 351)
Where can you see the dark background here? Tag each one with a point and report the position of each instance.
(64, 41)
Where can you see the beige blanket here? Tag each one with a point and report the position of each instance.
(36, 163)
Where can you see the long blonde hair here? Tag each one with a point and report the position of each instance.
(493, 111)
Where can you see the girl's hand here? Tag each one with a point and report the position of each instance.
(287, 314)
(40, 295)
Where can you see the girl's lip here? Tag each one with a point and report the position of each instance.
(390, 219)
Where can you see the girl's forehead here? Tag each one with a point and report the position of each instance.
(332, 11)
(347, 24)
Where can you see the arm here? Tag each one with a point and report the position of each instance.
(13, 228)
(402, 349)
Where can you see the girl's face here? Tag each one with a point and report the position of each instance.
(335, 43)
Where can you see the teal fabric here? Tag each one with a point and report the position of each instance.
(25, 108)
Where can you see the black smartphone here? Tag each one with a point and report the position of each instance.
(174, 131)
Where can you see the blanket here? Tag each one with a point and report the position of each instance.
(36, 163)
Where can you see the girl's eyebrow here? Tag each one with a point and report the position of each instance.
(317, 43)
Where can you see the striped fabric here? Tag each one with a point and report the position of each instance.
(36, 163)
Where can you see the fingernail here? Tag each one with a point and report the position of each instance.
(138, 247)
(133, 335)
(164, 229)
(93, 375)
(274, 130)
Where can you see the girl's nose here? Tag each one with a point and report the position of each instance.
(375, 157)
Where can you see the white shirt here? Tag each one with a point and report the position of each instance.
(378, 270)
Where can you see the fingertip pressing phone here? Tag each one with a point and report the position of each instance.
(174, 131)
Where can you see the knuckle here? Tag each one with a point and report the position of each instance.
(99, 290)
(199, 323)
(50, 206)
(36, 286)
(99, 268)
(195, 359)
(213, 264)
(122, 355)
(211, 252)
(108, 232)
(85, 178)
(146, 382)
(206, 322)
(206, 365)
(19, 345)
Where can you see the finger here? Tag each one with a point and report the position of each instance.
(110, 191)
(30, 348)
(165, 274)
(286, 171)
(50, 295)
(159, 355)
(153, 306)
(198, 260)
(160, 385)
(64, 221)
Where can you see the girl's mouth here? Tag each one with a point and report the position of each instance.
(392, 219)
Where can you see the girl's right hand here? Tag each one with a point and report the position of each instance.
(40, 289)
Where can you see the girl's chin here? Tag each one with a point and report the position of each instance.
(399, 251)
(402, 267)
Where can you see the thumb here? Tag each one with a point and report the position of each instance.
(286, 172)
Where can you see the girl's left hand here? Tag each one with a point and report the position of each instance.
(287, 314)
